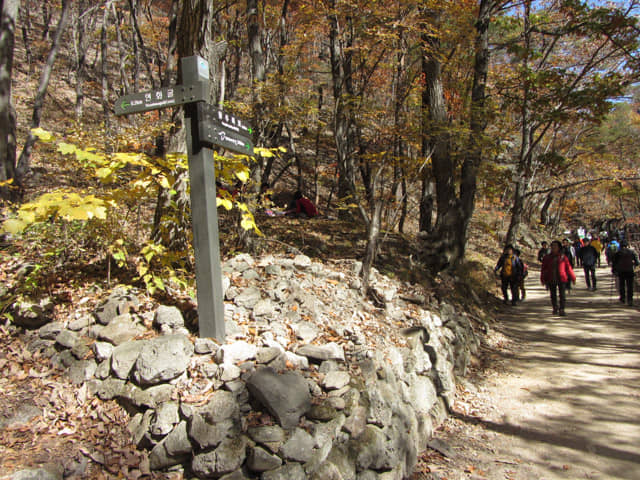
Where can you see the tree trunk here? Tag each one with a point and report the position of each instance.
(104, 80)
(9, 12)
(25, 19)
(24, 162)
(341, 66)
(372, 244)
(445, 245)
(545, 218)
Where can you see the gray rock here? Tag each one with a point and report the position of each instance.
(250, 275)
(306, 331)
(106, 312)
(326, 433)
(32, 315)
(290, 471)
(166, 417)
(273, 270)
(370, 448)
(336, 380)
(177, 442)
(80, 350)
(222, 406)
(66, 339)
(270, 436)
(323, 412)
(110, 388)
(422, 394)
(102, 350)
(80, 323)
(267, 354)
(103, 370)
(299, 447)
(298, 362)
(162, 359)
(124, 356)
(259, 460)
(153, 396)
(51, 330)
(36, 474)
(237, 475)
(229, 372)
(356, 422)
(227, 458)
(139, 426)
(263, 308)
(204, 346)
(285, 395)
(81, 371)
(22, 414)
(302, 262)
(327, 471)
(121, 329)
(208, 435)
(159, 457)
(338, 403)
(167, 316)
(248, 297)
(328, 366)
(319, 353)
(236, 352)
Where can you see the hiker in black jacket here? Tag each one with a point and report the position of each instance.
(624, 261)
(510, 267)
(589, 258)
(544, 251)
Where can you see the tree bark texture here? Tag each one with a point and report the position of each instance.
(9, 12)
(24, 162)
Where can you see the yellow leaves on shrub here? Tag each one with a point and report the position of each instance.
(224, 202)
(42, 135)
(60, 204)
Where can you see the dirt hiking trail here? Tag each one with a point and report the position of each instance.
(562, 398)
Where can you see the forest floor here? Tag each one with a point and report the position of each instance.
(560, 398)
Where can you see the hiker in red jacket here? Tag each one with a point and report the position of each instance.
(302, 206)
(556, 274)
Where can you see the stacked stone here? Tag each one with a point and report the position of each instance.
(284, 399)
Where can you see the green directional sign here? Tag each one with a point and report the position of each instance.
(161, 98)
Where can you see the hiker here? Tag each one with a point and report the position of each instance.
(612, 248)
(569, 251)
(544, 251)
(555, 275)
(577, 246)
(302, 206)
(589, 257)
(624, 262)
(525, 273)
(510, 268)
(597, 244)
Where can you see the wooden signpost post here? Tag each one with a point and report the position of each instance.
(206, 127)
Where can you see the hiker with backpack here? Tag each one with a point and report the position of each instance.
(544, 251)
(623, 263)
(589, 257)
(510, 268)
(612, 248)
(556, 274)
(525, 273)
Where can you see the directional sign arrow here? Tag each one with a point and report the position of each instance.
(216, 127)
(161, 98)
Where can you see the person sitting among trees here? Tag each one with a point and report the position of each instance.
(302, 206)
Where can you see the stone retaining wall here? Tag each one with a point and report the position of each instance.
(314, 381)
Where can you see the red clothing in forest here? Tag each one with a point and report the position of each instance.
(306, 206)
(564, 272)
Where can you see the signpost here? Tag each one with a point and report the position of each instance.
(206, 127)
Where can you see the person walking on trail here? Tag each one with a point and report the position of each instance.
(525, 273)
(624, 261)
(597, 244)
(577, 246)
(589, 257)
(510, 268)
(555, 275)
(612, 248)
(569, 251)
(544, 250)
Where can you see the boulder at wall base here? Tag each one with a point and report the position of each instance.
(285, 395)
(259, 460)
(163, 359)
(227, 458)
(290, 471)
